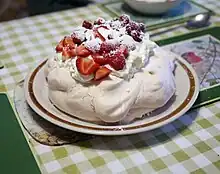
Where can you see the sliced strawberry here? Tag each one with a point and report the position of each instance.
(59, 47)
(68, 41)
(117, 61)
(65, 54)
(99, 59)
(101, 73)
(68, 53)
(98, 34)
(72, 52)
(76, 40)
(86, 66)
(82, 51)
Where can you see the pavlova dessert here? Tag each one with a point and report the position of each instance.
(109, 71)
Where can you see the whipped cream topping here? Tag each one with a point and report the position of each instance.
(114, 32)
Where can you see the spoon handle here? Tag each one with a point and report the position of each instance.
(167, 30)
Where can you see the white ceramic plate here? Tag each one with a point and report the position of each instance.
(36, 93)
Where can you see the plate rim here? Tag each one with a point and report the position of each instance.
(179, 111)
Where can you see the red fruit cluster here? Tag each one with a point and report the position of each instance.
(87, 66)
(115, 57)
(69, 49)
(109, 53)
(132, 28)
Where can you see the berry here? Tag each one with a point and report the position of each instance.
(106, 47)
(59, 47)
(136, 36)
(68, 53)
(78, 37)
(134, 25)
(99, 21)
(87, 24)
(100, 59)
(82, 51)
(68, 42)
(125, 19)
(128, 29)
(86, 66)
(101, 73)
(117, 61)
(124, 50)
(98, 34)
(142, 27)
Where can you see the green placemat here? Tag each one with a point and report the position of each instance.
(202, 50)
(16, 155)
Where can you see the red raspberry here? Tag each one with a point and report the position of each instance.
(136, 36)
(142, 27)
(128, 29)
(124, 50)
(76, 38)
(107, 47)
(125, 19)
(117, 61)
(134, 25)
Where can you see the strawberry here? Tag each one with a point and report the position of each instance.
(100, 59)
(101, 73)
(68, 53)
(87, 24)
(107, 47)
(124, 51)
(86, 66)
(117, 61)
(59, 47)
(99, 21)
(68, 41)
(98, 34)
(77, 38)
(82, 51)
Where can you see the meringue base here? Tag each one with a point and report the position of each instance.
(114, 99)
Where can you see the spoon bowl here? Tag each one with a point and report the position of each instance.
(200, 20)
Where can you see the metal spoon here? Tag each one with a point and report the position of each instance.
(199, 21)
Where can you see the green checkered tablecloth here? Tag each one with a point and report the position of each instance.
(189, 144)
